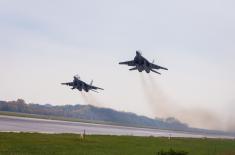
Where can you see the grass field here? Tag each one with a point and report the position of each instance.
(71, 144)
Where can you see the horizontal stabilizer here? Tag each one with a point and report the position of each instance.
(99, 88)
(164, 68)
(94, 91)
(135, 68)
(155, 71)
(129, 63)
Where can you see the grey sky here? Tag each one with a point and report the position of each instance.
(44, 43)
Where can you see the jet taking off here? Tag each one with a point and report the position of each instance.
(80, 85)
(140, 63)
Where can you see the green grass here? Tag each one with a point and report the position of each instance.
(71, 144)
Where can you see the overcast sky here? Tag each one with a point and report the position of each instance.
(44, 43)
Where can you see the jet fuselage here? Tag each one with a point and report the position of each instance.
(81, 85)
(141, 63)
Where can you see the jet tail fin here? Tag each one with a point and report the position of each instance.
(91, 82)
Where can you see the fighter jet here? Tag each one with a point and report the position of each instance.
(81, 85)
(140, 63)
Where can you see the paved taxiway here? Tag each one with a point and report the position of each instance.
(22, 124)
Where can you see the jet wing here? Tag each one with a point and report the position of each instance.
(68, 83)
(90, 87)
(129, 63)
(157, 67)
(94, 87)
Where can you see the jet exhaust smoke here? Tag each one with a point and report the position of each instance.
(91, 99)
(84, 97)
(230, 123)
(154, 96)
(162, 107)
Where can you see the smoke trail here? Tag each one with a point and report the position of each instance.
(91, 99)
(162, 106)
(146, 91)
(230, 123)
(94, 100)
(84, 97)
(154, 97)
(200, 117)
(145, 88)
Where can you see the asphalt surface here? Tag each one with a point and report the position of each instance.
(22, 124)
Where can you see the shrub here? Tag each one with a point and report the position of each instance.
(172, 152)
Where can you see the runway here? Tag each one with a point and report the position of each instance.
(22, 124)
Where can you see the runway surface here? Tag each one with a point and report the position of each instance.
(22, 124)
